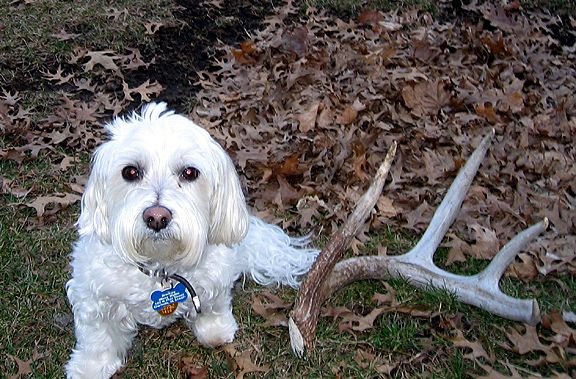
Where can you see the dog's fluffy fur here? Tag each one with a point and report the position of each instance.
(207, 236)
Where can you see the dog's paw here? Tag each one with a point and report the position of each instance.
(214, 329)
(84, 365)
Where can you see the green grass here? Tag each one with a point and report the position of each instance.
(31, 41)
(34, 271)
(29, 29)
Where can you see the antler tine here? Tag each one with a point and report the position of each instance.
(304, 316)
(507, 254)
(448, 209)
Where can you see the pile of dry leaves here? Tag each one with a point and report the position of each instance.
(308, 110)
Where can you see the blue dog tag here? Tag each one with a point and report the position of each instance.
(165, 302)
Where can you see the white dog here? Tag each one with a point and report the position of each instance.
(164, 234)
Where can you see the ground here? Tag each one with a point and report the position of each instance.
(307, 100)
(191, 45)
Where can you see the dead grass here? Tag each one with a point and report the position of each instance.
(38, 33)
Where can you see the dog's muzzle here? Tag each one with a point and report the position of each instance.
(157, 217)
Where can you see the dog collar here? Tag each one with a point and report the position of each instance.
(162, 274)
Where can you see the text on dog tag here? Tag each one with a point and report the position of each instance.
(166, 301)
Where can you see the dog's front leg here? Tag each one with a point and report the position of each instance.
(216, 325)
(101, 344)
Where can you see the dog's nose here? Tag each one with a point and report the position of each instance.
(157, 217)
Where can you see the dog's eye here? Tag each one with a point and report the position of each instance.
(190, 174)
(131, 173)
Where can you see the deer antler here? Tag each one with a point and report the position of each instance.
(482, 290)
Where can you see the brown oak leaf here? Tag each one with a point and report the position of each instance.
(426, 98)
(190, 368)
(242, 361)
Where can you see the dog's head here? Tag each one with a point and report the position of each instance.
(161, 189)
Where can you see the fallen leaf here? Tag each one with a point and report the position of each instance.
(487, 111)
(426, 98)
(274, 310)
(152, 27)
(307, 119)
(555, 322)
(350, 113)
(244, 55)
(357, 323)
(486, 242)
(386, 208)
(7, 187)
(290, 166)
(388, 298)
(145, 90)
(116, 14)
(347, 116)
(190, 369)
(419, 217)
(24, 366)
(524, 268)
(296, 40)
(286, 193)
(370, 17)
(478, 350)
(497, 46)
(498, 17)
(243, 361)
(51, 204)
(459, 249)
(103, 58)
(58, 76)
(529, 342)
(359, 162)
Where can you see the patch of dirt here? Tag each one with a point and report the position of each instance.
(181, 51)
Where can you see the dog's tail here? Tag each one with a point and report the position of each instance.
(272, 257)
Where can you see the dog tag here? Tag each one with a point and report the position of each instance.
(165, 302)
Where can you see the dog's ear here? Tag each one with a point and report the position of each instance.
(229, 217)
(93, 216)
